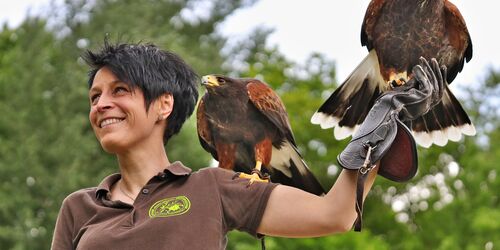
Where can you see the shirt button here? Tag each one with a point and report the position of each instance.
(145, 191)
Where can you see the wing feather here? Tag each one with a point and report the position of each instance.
(271, 106)
(459, 38)
(204, 129)
(371, 16)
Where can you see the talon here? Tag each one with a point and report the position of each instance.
(262, 176)
(397, 83)
(256, 176)
(397, 79)
(393, 84)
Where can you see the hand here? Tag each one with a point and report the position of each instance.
(408, 102)
(373, 142)
(422, 93)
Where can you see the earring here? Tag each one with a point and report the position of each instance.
(162, 117)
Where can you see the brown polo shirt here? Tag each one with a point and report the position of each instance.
(176, 209)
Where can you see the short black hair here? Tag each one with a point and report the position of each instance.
(154, 71)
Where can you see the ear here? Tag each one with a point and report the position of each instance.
(165, 105)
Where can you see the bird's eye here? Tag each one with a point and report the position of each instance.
(221, 80)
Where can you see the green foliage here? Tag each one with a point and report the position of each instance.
(41, 131)
(48, 150)
(352, 240)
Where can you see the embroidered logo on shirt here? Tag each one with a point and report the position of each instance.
(170, 207)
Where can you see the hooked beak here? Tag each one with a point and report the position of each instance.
(209, 81)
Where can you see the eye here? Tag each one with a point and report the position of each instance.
(221, 80)
(94, 98)
(119, 90)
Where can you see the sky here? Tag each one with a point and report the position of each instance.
(302, 27)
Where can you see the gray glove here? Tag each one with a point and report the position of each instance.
(405, 103)
(384, 123)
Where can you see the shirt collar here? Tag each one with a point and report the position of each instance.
(176, 169)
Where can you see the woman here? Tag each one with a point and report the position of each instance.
(139, 97)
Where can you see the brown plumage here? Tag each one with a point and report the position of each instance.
(242, 122)
(397, 33)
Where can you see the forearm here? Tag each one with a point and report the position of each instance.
(291, 212)
(343, 195)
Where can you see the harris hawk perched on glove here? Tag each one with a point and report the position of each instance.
(244, 125)
(397, 33)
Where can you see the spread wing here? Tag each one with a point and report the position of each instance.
(204, 129)
(371, 16)
(459, 38)
(270, 105)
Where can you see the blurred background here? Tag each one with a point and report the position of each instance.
(303, 49)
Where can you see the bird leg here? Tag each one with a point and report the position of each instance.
(398, 79)
(256, 175)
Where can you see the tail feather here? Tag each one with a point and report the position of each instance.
(290, 169)
(348, 106)
(307, 181)
(446, 121)
(342, 132)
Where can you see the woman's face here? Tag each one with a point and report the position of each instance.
(118, 114)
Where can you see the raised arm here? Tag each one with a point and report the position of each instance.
(382, 139)
(292, 212)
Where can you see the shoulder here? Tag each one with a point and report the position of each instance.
(229, 179)
(215, 173)
(79, 198)
(78, 206)
(212, 172)
(80, 194)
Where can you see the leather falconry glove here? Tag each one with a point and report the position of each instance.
(384, 137)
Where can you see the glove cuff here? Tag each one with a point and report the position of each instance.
(389, 141)
(400, 163)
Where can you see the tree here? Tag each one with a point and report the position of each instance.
(47, 147)
(48, 150)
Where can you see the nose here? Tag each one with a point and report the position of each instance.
(104, 103)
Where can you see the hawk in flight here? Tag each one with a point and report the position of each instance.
(397, 33)
(244, 125)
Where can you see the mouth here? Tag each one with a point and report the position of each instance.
(209, 81)
(110, 121)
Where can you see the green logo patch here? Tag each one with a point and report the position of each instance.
(170, 207)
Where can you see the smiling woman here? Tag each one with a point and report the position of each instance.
(117, 110)
(150, 70)
(139, 97)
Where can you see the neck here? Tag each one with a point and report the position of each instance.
(140, 163)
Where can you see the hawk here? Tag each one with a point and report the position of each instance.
(397, 33)
(244, 125)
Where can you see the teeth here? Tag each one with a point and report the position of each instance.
(110, 121)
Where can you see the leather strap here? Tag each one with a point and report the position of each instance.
(362, 173)
(360, 187)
